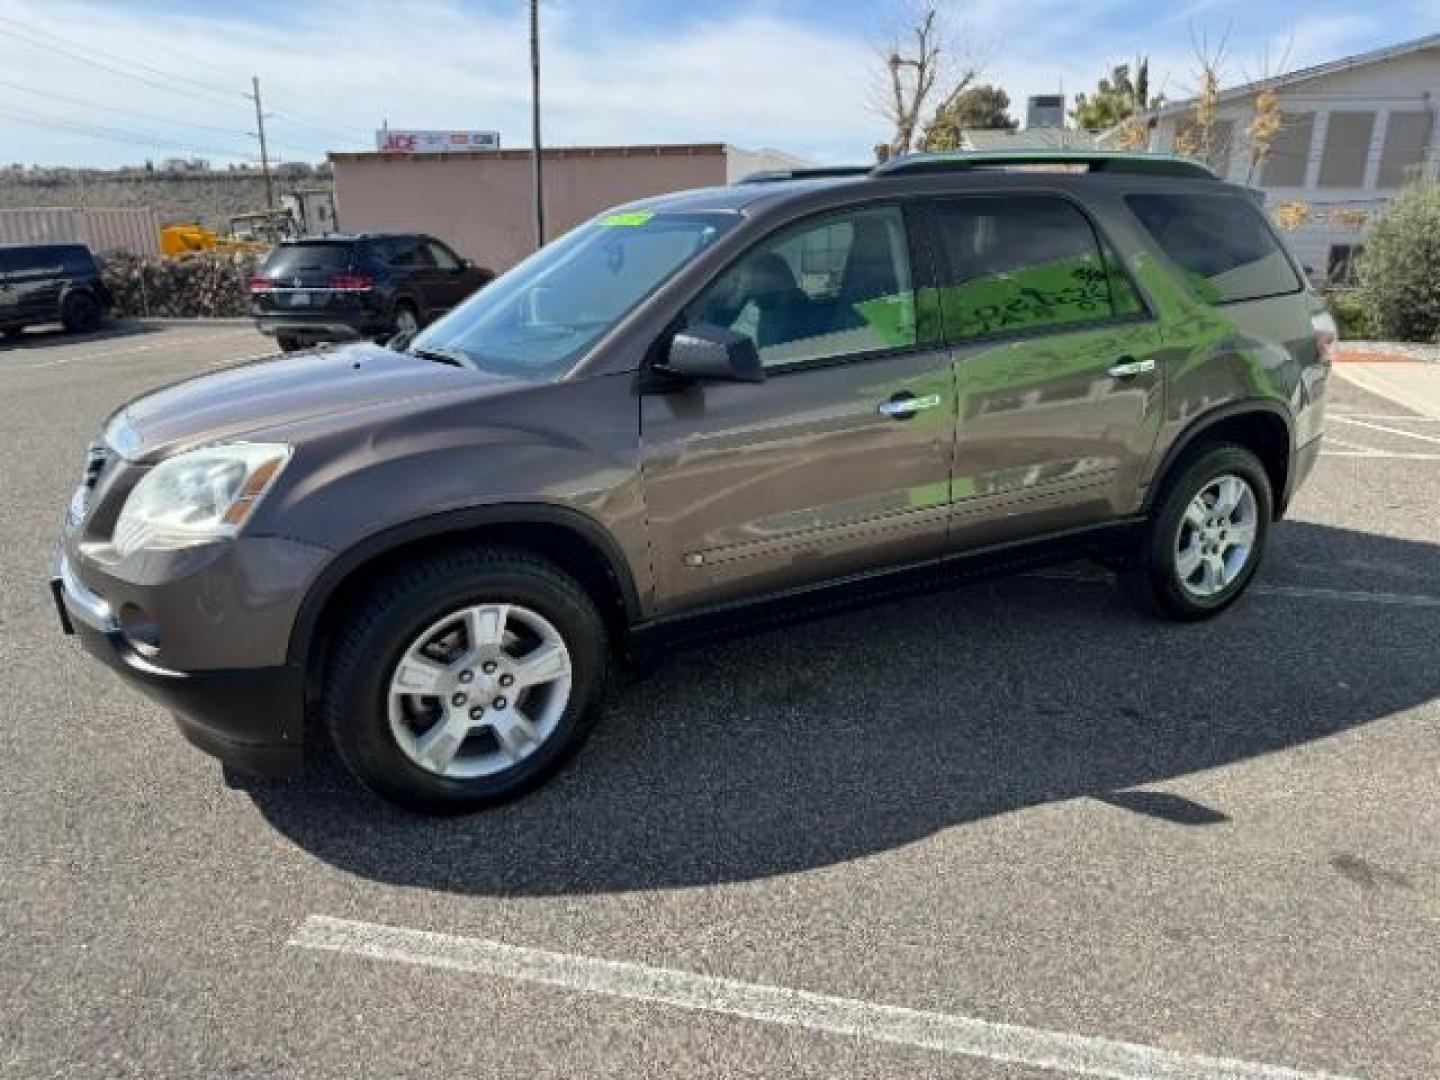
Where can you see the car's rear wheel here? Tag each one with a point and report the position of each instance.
(465, 680)
(1207, 535)
(9, 332)
(407, 318)
(288, 343)
(80, 313)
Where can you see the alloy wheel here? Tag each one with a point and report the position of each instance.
(1216, 538)
(479, 691)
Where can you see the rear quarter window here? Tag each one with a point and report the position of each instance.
(1223, 244)
(78, 260)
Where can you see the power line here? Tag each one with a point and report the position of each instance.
(31, 39)
(120, 135)
(153, 117)
(35, 37)
(35, 31)
(290, 118)
(121, 112)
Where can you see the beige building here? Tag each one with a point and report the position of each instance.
(1354, 131)
(479, 202)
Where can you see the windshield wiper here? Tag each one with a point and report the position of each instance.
(442, 356)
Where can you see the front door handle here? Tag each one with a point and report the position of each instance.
(1127, 367)
(904, 405)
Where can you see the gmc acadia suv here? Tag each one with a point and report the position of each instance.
(693, 412)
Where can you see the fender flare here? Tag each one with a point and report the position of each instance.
(1204, 423)
(453, 522)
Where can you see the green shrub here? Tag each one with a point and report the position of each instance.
(1400, 269)
(1351, 318)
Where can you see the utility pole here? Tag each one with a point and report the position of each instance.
(537, 168)
(260, 134)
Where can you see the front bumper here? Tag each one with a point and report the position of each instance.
(251, 718)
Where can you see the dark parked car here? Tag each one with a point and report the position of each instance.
(704, 410)
(344, 287)
(48, 283)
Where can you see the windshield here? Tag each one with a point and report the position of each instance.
(538, 318)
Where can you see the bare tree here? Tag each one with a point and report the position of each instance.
(917, 60)
(1268, 117)
(1198, 139)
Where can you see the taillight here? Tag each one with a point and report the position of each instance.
(1326, 334)
(261, 284)
(351, 281)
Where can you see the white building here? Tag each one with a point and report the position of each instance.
(1355, 130)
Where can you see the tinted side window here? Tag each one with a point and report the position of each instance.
(1221, 242)
(441, 256)
(832, 287)
(78, 260)
(399, 251)
(1023, 264)
(36, 260)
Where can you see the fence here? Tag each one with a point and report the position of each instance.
(99, 228)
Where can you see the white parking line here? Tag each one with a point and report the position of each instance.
(1408, 418)
(106, 354)
(1381, 455)
(1372, 426)
(1081, 1055)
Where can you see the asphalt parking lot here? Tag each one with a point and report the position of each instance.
(1014, 830)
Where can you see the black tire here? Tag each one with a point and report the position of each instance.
(375, 634)
(81, 313)
(9, 333)
(288, 343)
(1154, 578)
(405, 310)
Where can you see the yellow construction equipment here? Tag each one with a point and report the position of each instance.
(257, 232)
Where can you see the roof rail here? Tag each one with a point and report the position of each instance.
(774, 176)
(1114, 161)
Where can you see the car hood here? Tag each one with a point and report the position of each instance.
(271, 394)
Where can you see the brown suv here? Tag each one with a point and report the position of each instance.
(693, 411)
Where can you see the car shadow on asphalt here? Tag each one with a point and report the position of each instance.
(39, 337)
(820, 743)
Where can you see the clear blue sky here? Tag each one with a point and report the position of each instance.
(105, 82)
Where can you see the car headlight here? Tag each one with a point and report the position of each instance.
(197, 496)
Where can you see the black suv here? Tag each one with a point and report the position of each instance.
(343, 287)
(46, 283)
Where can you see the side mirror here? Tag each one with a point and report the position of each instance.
(708, 352)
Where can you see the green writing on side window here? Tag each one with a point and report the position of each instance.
(628, 220)
(1032, 298)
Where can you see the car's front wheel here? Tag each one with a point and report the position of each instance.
(80, 313)
(465, 680)
(1206, 537)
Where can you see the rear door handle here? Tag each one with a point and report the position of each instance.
(904, 405)
(1127, 367)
